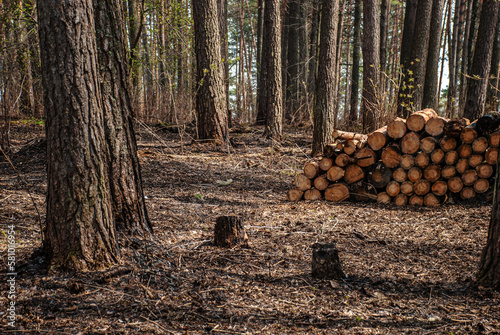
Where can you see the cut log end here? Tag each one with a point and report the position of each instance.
(294, 194)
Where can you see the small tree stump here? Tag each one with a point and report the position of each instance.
(229, 231)
(326, 262)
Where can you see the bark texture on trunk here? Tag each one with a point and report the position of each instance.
(478, 85)
(324, 107)
(371, 59)
(271, 51)
(123, 165)
(80, 232)
(210, 90)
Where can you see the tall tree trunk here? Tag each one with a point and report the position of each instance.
(271, 52)
(313, 49)
(418, 55)
(454, 53)
(210, 93)
(405, 57)
(493, 95)
(261, 113)
(324, 107)
(430, 94)
(224, 37)
(124, 169)
(292, 89)
(80, 232)
(477, 85)
(385, 12)
(371, 59)
(134, 31)
(356, 44)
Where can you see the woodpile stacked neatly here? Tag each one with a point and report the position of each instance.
(423, 160)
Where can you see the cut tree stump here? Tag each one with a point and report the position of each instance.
(326, 262)
(229, 231)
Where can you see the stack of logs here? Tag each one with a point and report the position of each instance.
(423, 160)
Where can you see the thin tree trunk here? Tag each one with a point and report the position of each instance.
(356, 43)
(430, 94)
(371, 59)
(492, 97)
(224, 38)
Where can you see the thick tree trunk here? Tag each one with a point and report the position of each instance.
(80, 229)
(124, 169)
(210, 93)
(371, 59)
(478, 85)
(271, 51)
(324, 107)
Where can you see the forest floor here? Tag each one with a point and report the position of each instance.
(409, 270)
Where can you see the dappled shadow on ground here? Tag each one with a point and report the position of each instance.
(409, 270)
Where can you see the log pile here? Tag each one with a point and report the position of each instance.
(423, 160)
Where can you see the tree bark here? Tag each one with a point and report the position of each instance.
(124, 169)
(80, 232)
(477, 85)
(271, 51)
(371, 59)
(430, 97)
(210, 93)
(353, 108)
(324, 107)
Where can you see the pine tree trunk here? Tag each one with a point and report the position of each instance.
(222, 11)
(430, 92)
(478, 85)
(353, 108)
(324, 107)
(210, 94)
(371, 59)
(79, 226)
(124, 169)
(489, 267)
(271, 51)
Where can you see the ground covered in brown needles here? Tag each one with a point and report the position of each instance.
(409, 270)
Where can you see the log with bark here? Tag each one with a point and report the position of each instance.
(431, 200)
(401, 199)
(377, 139)
(321, 183)
(414, 174)
(428, 144)
(437, 156)
(311, 169)
(484, 171)
(468, 135)
(462, 165)
(422, 187)
(417, 121)
(475, 160)
(432, 172)
(422, 160)
(416, 200)
(467, 193)
(407, 162)
(480, 145)
(491, 156)
(337, 192)
(455, 184)
(365, 157)
(312, 194)
(435, 126)
(447, 143)
(353, 173)
(451, 157)
(346, 135)
(363, 192)
(379, 175)
(400, 175)
(407, 187)
(396, 128)
(335, 173)
(302, 182)
(393, 188)
(410, 143)
(481, 186)
(448, 171)
(494, 139)
(439, 188)
(384, 198)
(294, 194)
(391, 156)
(325, 164)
